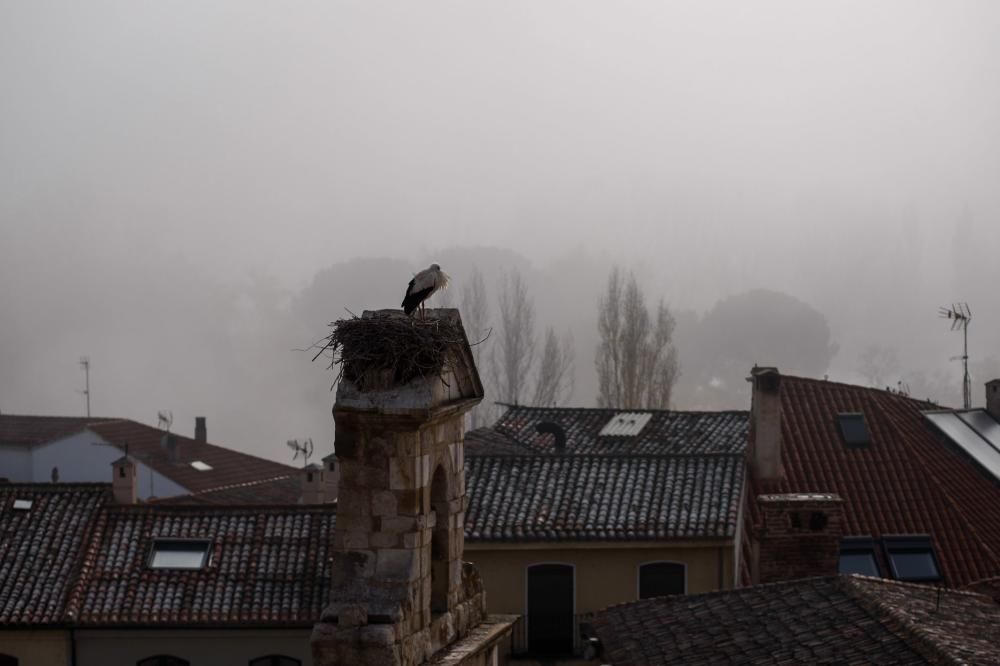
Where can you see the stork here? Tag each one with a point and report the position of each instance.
(424, 285)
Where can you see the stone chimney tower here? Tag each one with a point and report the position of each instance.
(124, 482)
(400, 591)
(993, 398)
(765, 423)
(800, 536)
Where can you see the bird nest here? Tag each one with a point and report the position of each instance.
(384, 350)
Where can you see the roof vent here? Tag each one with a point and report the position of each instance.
(201, 466)
(22, 504)
(554, 429)
(626, 424)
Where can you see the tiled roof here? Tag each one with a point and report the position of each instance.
(41, 548)
(279, 490)
(602, 497)
(269, 566)
(906, 482)
(229, 467)
(17, 429)
(666, 432)
(842, 620)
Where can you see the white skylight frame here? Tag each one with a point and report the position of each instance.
(185, 554)
(22, 504)
(625, 424)
(201, 466)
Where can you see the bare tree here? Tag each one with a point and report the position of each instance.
(554, 381)
(475, 308)
(513, 352)
(636, 360)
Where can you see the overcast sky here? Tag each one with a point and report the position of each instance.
(847, 153)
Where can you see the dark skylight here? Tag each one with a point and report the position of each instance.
(911, 558)
(854, 430)
(857, 556)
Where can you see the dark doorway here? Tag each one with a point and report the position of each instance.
(551, 625)
(7, 660)
(439, 542)
(661, 578)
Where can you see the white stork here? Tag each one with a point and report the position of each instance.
(423, 285)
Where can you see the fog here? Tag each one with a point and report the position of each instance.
(190, 192)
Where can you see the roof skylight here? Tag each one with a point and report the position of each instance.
(179, 554)
(22, 504)
(911, 558)
(626, 424)
(201, 466)
(853, 430)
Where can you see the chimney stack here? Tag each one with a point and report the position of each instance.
(200, 430)
(800, 536)
(332, 477)
(765, 423)
(993, 398)
(313, 484)
(124, 481)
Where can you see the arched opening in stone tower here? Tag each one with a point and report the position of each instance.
(439, 542)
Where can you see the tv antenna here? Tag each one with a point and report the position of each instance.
(85, 363)
(165, 419)
(960, 316)
(305, 449)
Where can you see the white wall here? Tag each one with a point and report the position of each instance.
(208, 647)
(15, 463)
(86, 457)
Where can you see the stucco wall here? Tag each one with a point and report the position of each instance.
(202, 648)
(36, 648)
(15, 463)
(79, 459)
(603, 576)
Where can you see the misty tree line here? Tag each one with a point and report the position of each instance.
(636, 360)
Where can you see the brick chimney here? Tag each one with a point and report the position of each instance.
(799, 537)
(124, 481)
(993, 398)
(200, 430)
(313, 484)
(765, 423)
(332, 477)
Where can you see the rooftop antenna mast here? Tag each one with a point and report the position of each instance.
(960, 316)
(85, 362)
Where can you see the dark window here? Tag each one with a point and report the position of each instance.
(163, 660)
(857, 556)
(179, 554)
(7, 660)
(853, 430)
(659, 579)
(551, 624)
(275, 660)
(911, 558)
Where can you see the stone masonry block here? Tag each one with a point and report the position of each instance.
(383, 503)
(397, 564)
(385, 540)
(404, 473)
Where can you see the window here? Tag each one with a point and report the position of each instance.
(201, 466)
(179, 554)
(275, 660)
(163, 660)
(22, 504)
(853, 430)
(857, 556)
(625, 424)
(551, 624)
(658, 579)
(911, 558)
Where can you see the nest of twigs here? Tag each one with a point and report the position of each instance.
(374, 351)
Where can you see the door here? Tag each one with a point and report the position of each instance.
(551, 625)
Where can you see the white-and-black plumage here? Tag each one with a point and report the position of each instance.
(423, 285)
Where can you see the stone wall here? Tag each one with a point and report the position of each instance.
(800, 536)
